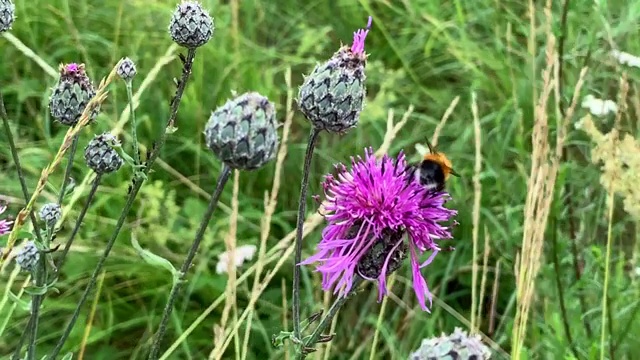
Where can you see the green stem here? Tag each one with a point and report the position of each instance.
(326, 320)
(177, 283)
(16, 160)
(67, 172)
(83, 212)
(16, 353)
(32, 326)
(134, 124)
(135, 188)
(302, 208)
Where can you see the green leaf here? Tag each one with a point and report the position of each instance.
(24, 305)
(69, 356)
(154, 259)
(36, 290)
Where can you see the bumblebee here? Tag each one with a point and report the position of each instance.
(434, 170)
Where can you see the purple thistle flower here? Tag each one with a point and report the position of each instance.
(5, 225)
(378, 201)
(358, 38)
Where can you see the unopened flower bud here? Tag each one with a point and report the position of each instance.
(127, 69)
(7, 15)
(100, 155)
(242, 132)
(50, 213)
(332, 96)
(71, 95)
(455, 346)
(28, 257)
(191, 26)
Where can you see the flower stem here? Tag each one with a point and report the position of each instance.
(16, 353)
(134, 124)
(16, 160)
(326, 320)
(32, 326)
(67, 172)
(83, 212)
(302, 208)
(135, 187)
(177, 284)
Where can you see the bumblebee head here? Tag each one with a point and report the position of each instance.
(440, 159)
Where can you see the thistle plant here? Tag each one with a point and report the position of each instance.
(331, 98)
(457, 345)
(377, 215)
(5, 225)
(242, 135)
(7, 15)
(75, 103)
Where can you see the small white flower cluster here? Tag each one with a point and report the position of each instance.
(242, 253)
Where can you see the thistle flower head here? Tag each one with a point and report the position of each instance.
(332, 96)
(5, 225)
(127, 69)
(100, 155)
(242, 132)
(455, 346)
(190, 26)
(369, 208)
(7, 15)
(28, 256)
(71, 95)
(50, 213)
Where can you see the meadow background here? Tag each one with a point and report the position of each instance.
(425, 55)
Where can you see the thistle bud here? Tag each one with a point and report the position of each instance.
(332, 96)
(100, 155)
(28, 257)
(7, 15)
(191, 26)
(126, 70)
(71, 95)
(50, 213)
(455, 346)
(242, 132)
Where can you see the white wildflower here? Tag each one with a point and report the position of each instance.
(625, 58)
(242, 253)
(599, 107)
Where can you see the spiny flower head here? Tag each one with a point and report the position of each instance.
(100, 154)
(7, 15)
(242, 132)
(71, 95)
(458, 345)
(332, 96)
(28, 256)
(5, 225)
(369, 208)
(191, 26)
(50, 213)
(127, 69)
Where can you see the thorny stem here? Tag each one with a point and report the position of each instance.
(134, 124)
(83, 212)
(326, 320)
(135, 187)
(177, 284)
(67, 172)
(302, 208)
